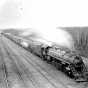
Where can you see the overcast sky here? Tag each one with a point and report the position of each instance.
(43, 13)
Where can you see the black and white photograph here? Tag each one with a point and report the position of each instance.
(43, 44)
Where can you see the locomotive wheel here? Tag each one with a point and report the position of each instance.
(70, 74)
(49, 59)
(44, 57)
(59, 66)
(67, 71)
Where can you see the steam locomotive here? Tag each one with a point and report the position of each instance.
(64, 59)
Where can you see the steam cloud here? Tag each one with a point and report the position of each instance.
(58, 36)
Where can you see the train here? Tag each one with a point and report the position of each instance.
(65, 60)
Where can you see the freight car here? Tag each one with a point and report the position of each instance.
(15, 39)
(63, 58)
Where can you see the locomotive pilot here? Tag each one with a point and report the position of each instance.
(79, 65)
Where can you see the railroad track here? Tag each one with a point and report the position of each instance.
(3, 69)
(16, 67)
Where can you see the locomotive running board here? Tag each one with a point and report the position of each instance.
(81, 80)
